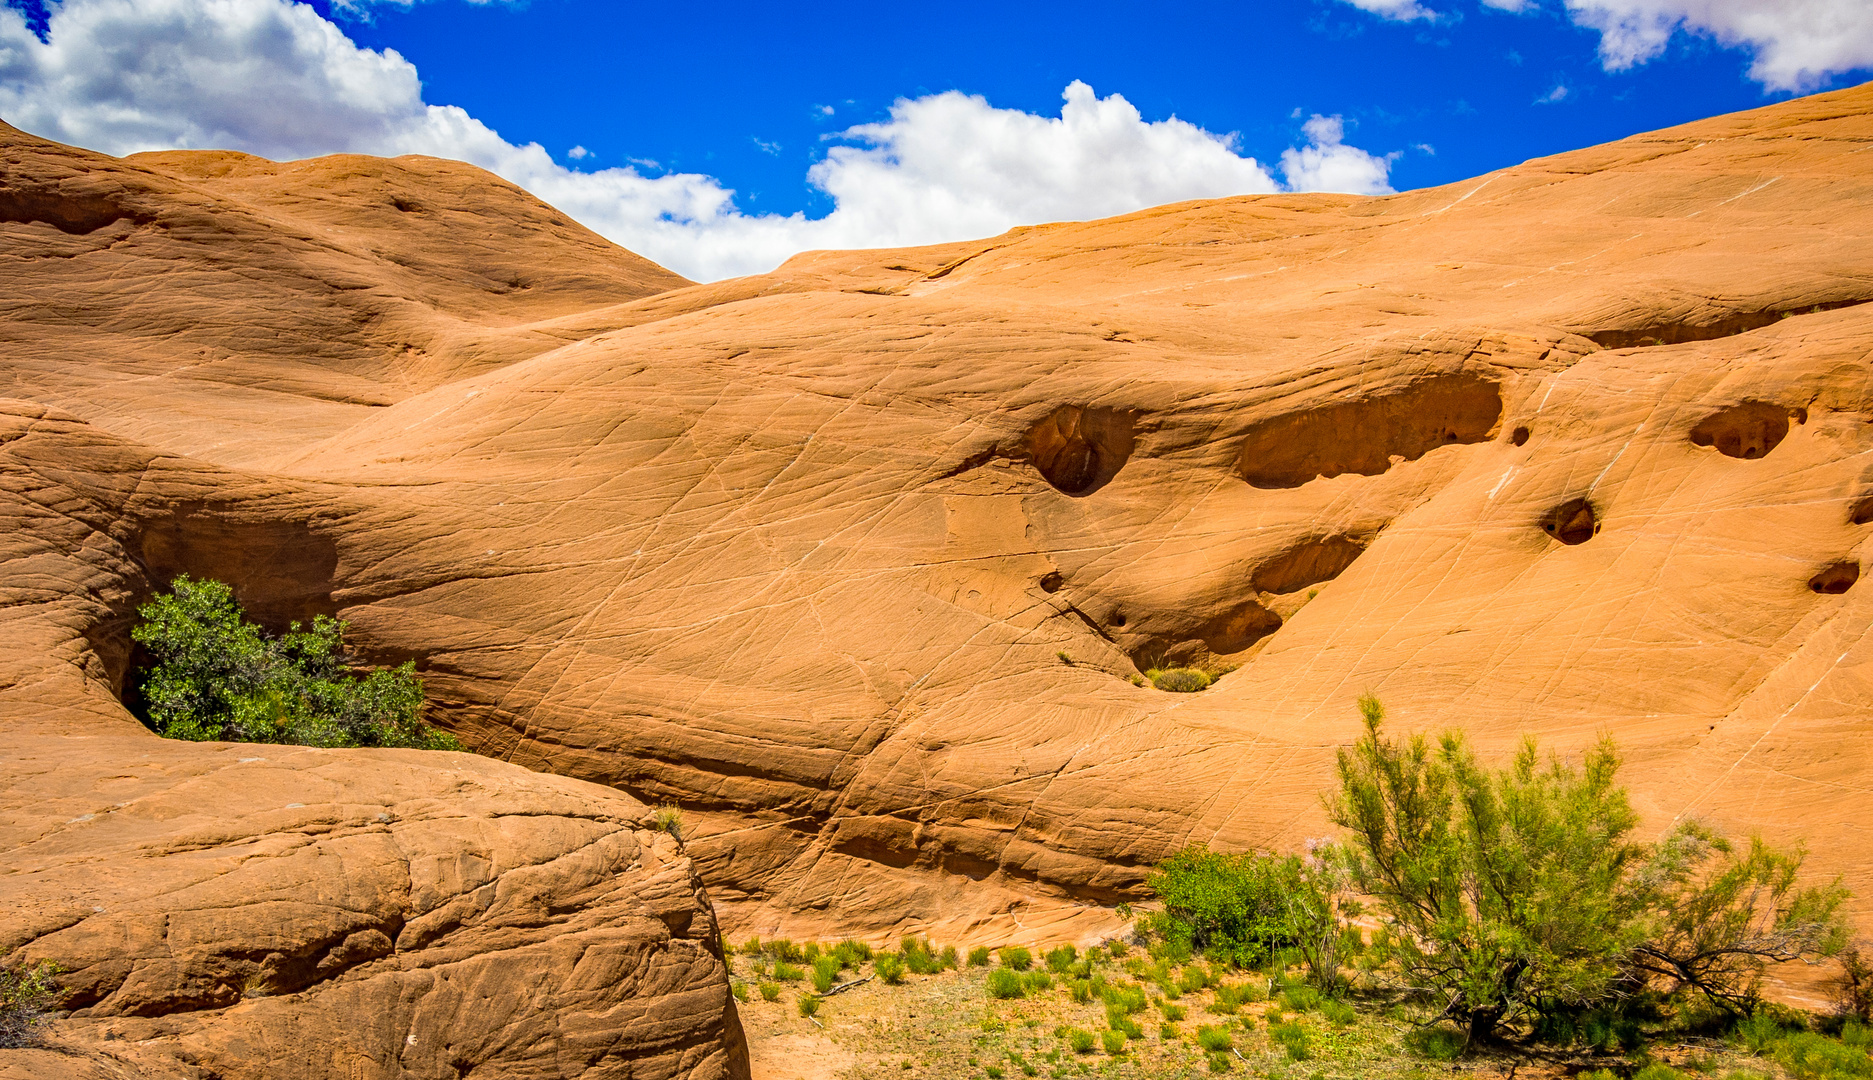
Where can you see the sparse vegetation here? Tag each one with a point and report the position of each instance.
(217, 676)
(1016, 957)
(667, 818)
(1180, 680)
(27, 994)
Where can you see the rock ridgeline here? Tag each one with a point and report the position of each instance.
(858, 561)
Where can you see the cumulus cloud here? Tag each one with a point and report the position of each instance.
(273, 78)
(1796, 44)
(1328, 164)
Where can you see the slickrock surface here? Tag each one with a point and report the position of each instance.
(1576, 447)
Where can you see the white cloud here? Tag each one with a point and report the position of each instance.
(1328, 164)
(1395, 10)
(1554, 96)
(1797, 43)
(578, 153)
(273, 78)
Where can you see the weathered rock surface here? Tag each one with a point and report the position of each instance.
(1578, 446)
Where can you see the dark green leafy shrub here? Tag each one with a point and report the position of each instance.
(27, 995)
(1182, 680)
(889, 967)
(217, 676)
(1016, 957)
(1006, 983)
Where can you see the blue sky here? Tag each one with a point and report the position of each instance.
(719, 140)
(737, 90)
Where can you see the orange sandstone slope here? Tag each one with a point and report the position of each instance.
(856, 560)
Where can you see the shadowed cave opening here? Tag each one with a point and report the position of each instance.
(1678, 333)
(1364, 436)
(1836, 578)
(281, 571)
(1748, 430)
(74, 214)
(1572, 522)
(1078, 450)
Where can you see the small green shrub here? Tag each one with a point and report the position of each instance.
(1658, 1070)
(27, 994)
(1759, 1031)
(979, 956)
(770, 991)
(1080, 1040)
(1338, 1013)
(1219, 1062)
(788, 973)
(1212, 1038)
(825, 973)
(808, 1005)
(1016, 957)
(1060, 961)
(1173, 1013)
(994, 1072)
(1808, 1056)
(810, 951)
(947, 958)
(1118, 947)
(1293, 1039)
(1182, 680)
(1857, 1035)
(741, 992)
(1006, 983)
(1081, 990)
(1193, 979)
(889, 967)
(217, 676)
(1038, 981)
(852, 953)
(1114, 1041)
(1437, 1042)
(1167, 1032)
(785, 951)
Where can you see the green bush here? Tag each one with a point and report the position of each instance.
(1658, 1070)
(889, 967)
(947, 958)
(825, 973)
(1114, 1041)
(1437, 1042)
(1808, 1056)
(785, 951)
(1016, 957)
(1293, 1039)
(1338, 1013)
(27, 994)
(852, 953)
(1219, 1062)
(740, 990)
(1181, 680)
(788, 973)
(1242, 907)
(1173, 1013)
(979, 956)
(1038, 981)
(808, 1005)
(770, 991)
(1060, 961)
(217, 676)
(1006, 983)
(1081, 990)
(1080, 1040)
(1215, 1038)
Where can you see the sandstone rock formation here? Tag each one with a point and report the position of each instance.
(1578, 446)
